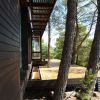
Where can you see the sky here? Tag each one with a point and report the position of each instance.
(54, 33)
(54, 36)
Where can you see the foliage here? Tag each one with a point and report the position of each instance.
(59, 46)
(85, 11)
(83, 94)
(84, 51)
(44, 50)
(83, 54)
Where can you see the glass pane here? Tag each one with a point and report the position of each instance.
(36, 44)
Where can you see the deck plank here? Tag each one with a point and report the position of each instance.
(52, 73)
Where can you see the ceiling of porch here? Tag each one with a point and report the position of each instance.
(39, 11)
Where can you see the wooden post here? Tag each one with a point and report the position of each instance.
(49, 40)
(41, 47)
(29, 44)
(24, 37)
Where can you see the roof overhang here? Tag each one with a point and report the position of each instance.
(40, 11)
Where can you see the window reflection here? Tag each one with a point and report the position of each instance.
(36, 48)
(36, 44)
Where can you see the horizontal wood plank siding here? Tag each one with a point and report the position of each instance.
(9, 50)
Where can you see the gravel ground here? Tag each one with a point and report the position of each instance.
(70, 96)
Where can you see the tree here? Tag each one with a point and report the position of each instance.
(83, 53)
(59, 45)
(75, 47)
(44, 50)
(84, 16)
(61, 83)
(90, 77)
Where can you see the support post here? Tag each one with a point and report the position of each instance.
(24, 37)
(29, 44)
(41, 47)
(49, 41)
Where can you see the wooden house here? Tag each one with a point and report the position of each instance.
(21, 23)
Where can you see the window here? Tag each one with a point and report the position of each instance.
(36, 47)
(36, 44)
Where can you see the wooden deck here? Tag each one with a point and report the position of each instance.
(40, 88)
(43, 80)
(51, 73)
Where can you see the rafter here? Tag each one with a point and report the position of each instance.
(41, 4)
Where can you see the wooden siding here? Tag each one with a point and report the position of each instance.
(9, 50)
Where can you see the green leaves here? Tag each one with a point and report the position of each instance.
(83, 94)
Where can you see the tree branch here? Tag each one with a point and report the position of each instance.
(88, 32)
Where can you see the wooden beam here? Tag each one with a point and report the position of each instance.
(36, 34)
(47, 84)
(42, 8)
(23, 3)
(41, 25)
(38, 29)
(41, 4)
(39, 16)
(44, 19)
(39, 19)
(33, 13)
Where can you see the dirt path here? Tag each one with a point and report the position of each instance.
(54, 62)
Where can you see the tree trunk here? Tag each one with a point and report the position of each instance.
(61, 83)
(73, 61)
(94, 56)
(95, 50)
(75, 47)
(92, 23)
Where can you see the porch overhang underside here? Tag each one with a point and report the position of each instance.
(40, 11)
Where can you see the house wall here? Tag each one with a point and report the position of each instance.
(9, 50)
